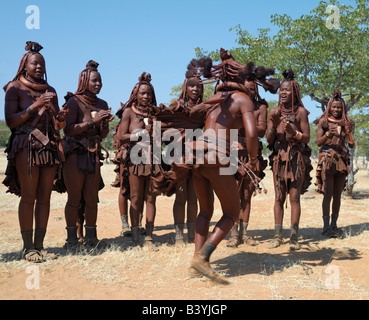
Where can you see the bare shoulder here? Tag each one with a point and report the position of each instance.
(302, 112)
(102, 104)
(274, 111)
(263, 108)
(321, 122)
(241, 97)
(13, 86)
(51, 89)
(74, 104)
(242, 102)
(12, 91)
(127, 112)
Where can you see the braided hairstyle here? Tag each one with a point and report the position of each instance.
(229, 70)
(191, 78)
(337, 96)
(289, 76)
(144, 78)
(31, 48)
(84, 76)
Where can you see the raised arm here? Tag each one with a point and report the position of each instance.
(249, 123)
(273, 123)
(261, 121)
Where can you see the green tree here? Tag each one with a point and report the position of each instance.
(4, 134)
(326, 58)
(107, 143)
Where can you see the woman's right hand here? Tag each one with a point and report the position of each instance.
(42, 101)
(101, 115)
(333, 130)
(276, 120)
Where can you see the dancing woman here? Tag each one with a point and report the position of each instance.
(288, 135)
(230, 108)
(334, 129)
(246, 185)
(34, 154)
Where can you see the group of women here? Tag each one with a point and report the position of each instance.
(39, 160)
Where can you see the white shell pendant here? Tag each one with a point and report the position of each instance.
(146, 121)
(339, 129)
(93, 114)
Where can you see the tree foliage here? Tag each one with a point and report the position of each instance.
(4, 134)
(323, 58)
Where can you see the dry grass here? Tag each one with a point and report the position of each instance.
(122, 272)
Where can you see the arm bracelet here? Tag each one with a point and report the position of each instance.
(29, 111)
(298, 135)
(57, 118)
(252, 160)
(90, 123)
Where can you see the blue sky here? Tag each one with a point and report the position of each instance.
(129, 37)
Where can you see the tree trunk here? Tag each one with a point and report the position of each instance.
(348, 192)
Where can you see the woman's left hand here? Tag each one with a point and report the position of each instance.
(62, 114)
(290, 128)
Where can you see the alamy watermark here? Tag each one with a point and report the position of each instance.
(214, 147)
(333, 280)
(333, 20)
(33, 20)
(33, 281)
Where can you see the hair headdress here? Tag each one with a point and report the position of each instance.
(289, 76)
(84, 76)
(337, 96)
(231, 71)
(144, 78)
(31, 48)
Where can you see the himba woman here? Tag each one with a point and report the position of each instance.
(334, 129)
(191, 95)
(86, 125)
(288, 135)
(230, 108)
(136, 122)
(246, 185)
(32, 113)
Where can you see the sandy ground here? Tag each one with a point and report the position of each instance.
(323, 269)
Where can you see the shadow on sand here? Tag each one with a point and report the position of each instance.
(312, 254)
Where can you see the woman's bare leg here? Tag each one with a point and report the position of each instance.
(339, 183)
(137, 186)
(279, 200)
(74, 181)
